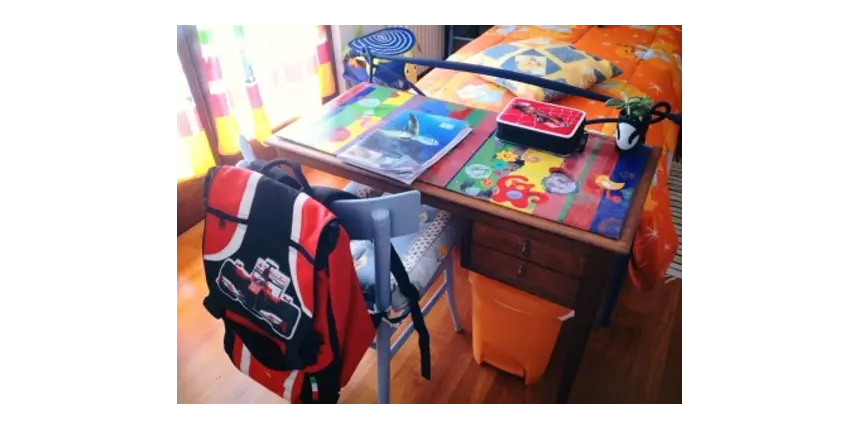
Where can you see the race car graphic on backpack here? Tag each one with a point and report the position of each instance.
(273, 320)
(263, 292)
(268, 278)
(233, 279)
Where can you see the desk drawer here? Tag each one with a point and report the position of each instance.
(565, 261)
(525, 275)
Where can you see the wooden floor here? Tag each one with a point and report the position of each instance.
(635, 360)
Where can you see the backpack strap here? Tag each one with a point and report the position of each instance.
(327, 196)
(267, 169)
(413, 297)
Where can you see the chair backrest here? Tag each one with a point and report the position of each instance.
(246, 150)
(383, 217)
(380, 219)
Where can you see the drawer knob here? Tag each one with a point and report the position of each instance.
(521, 270)
(524, 251)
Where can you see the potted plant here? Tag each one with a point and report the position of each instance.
(634, 115)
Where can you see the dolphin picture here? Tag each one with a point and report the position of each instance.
(411, 133)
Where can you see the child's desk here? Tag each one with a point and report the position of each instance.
(550, 226)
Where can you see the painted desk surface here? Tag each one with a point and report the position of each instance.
(591, 192)
(566, 264)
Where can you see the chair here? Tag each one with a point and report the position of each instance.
(423, 236)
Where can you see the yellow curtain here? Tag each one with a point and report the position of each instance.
(193, 151)
(260, 76)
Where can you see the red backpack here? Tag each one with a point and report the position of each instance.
(281, 278)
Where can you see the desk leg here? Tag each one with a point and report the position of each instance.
(614, 290)
(574, 333)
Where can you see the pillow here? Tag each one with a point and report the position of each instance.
(547, 58)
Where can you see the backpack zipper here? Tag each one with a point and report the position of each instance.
(224, 217)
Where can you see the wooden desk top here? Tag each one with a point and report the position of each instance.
(476, 209)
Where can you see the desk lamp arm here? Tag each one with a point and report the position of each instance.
(499, 73)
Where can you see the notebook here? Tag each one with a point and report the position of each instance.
(406, 145)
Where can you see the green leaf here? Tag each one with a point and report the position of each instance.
(613, 103)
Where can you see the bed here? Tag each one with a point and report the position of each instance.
(650, 59)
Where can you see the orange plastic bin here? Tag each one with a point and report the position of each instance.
(513, 330)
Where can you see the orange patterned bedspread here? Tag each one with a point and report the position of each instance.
(650, 57)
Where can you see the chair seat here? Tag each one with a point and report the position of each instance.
(422, 253)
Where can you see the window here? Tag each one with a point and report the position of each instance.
(243, 83)
(193, 151)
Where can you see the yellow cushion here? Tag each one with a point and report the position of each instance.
(547, 58)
